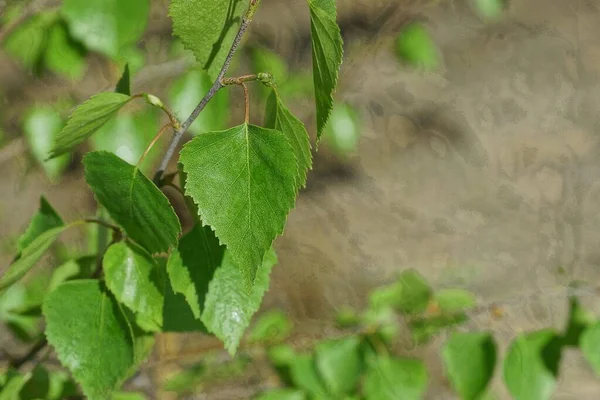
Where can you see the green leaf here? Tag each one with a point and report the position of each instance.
(455, 300)
(327, 53)
(410, 294)
(469, 359)
(63, 55)
(425, 328)
(590, 346)
(45, 219)
(186, 381)
(271, 327)
(14, 383)
(282, 394)
(128, 396)
(192, 266)
(106, 26)
(415, 47)
(87, 119)
(395, 378)
(41, 127)
(490, 8)
(30, 256)
(132, 276)
(579, 320)
(531, 365)
(279, 117)
(229, 307)
(128, 135)
(15, 304)
(339, 364)
(48, 385)
(342, 133)
(243, 182)
(265, 60)
(28, 41)
(305, 376)
(208, 28)
(79, 268)
(185, 94)
(142, 209)
(90, 336)
(124, 84)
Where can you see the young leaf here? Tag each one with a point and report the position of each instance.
(207, 28)
(272, 327)
(131, 275)
(192, 266)
(90, 336)
(282, 394)
(45, 219)
(243, 181)
(185, 94)
(132, 201)
(327, 53)
(30, 256)
(87, 119)
(279, 117)
(106, 26)
(416, 47)
(41, 126)
(470, 359)
(589, 346)
(531, 365)
(229, 307)
(124, 84)
(339, 364)
(395, 378)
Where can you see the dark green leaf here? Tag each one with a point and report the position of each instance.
(87, 119)
(124, 84)
(343, 131)
(327, 53)
(45, 218)
(279, 117)
(454, 300)
(48, 385)
(185, 94)
(90, 336)
(132, 201)
(395, 378)
(132, 276)
(41, 127)
(339, 364)
(243, 181)
(590, 346)
(531, 365)
(579, 320)
(415, 47)
(207, 28)
(106, 26)
(229, 307)
(63, 55)
(271, 327)
(469, 359)
(282, 394)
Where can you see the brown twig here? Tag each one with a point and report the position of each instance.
(153, 142)
(19, 362)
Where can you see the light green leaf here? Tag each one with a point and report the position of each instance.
(271, 327)
(327, 53)
(243, 181)
(15, 304)
(11, 389)
(470, 359)
(415, 47)
(490, 8)
(343, 131)
(229, 307)
(185, 94)
(579, 320)
(208, 28)
(129, 396)
(63, 55)
(41, 127)
(305, 376)
(45, 218)
(132, 276)
(279, 117)
(79, 268)
(531, 365)
(455, 300)
(410, 294)
(106, 26)
(90, 336)
(395, 378)
(142, 209)
(282, 394)
(124, 84)
(87, 119)
(339, 364)
(590, 346)
(28, 42)
(30, 256)
(192, 266)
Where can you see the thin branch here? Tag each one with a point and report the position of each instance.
(217, 85)
(19, 362)
(153, 142)
(101, 222)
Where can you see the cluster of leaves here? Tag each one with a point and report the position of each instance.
(101, 311)
(364, 359)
